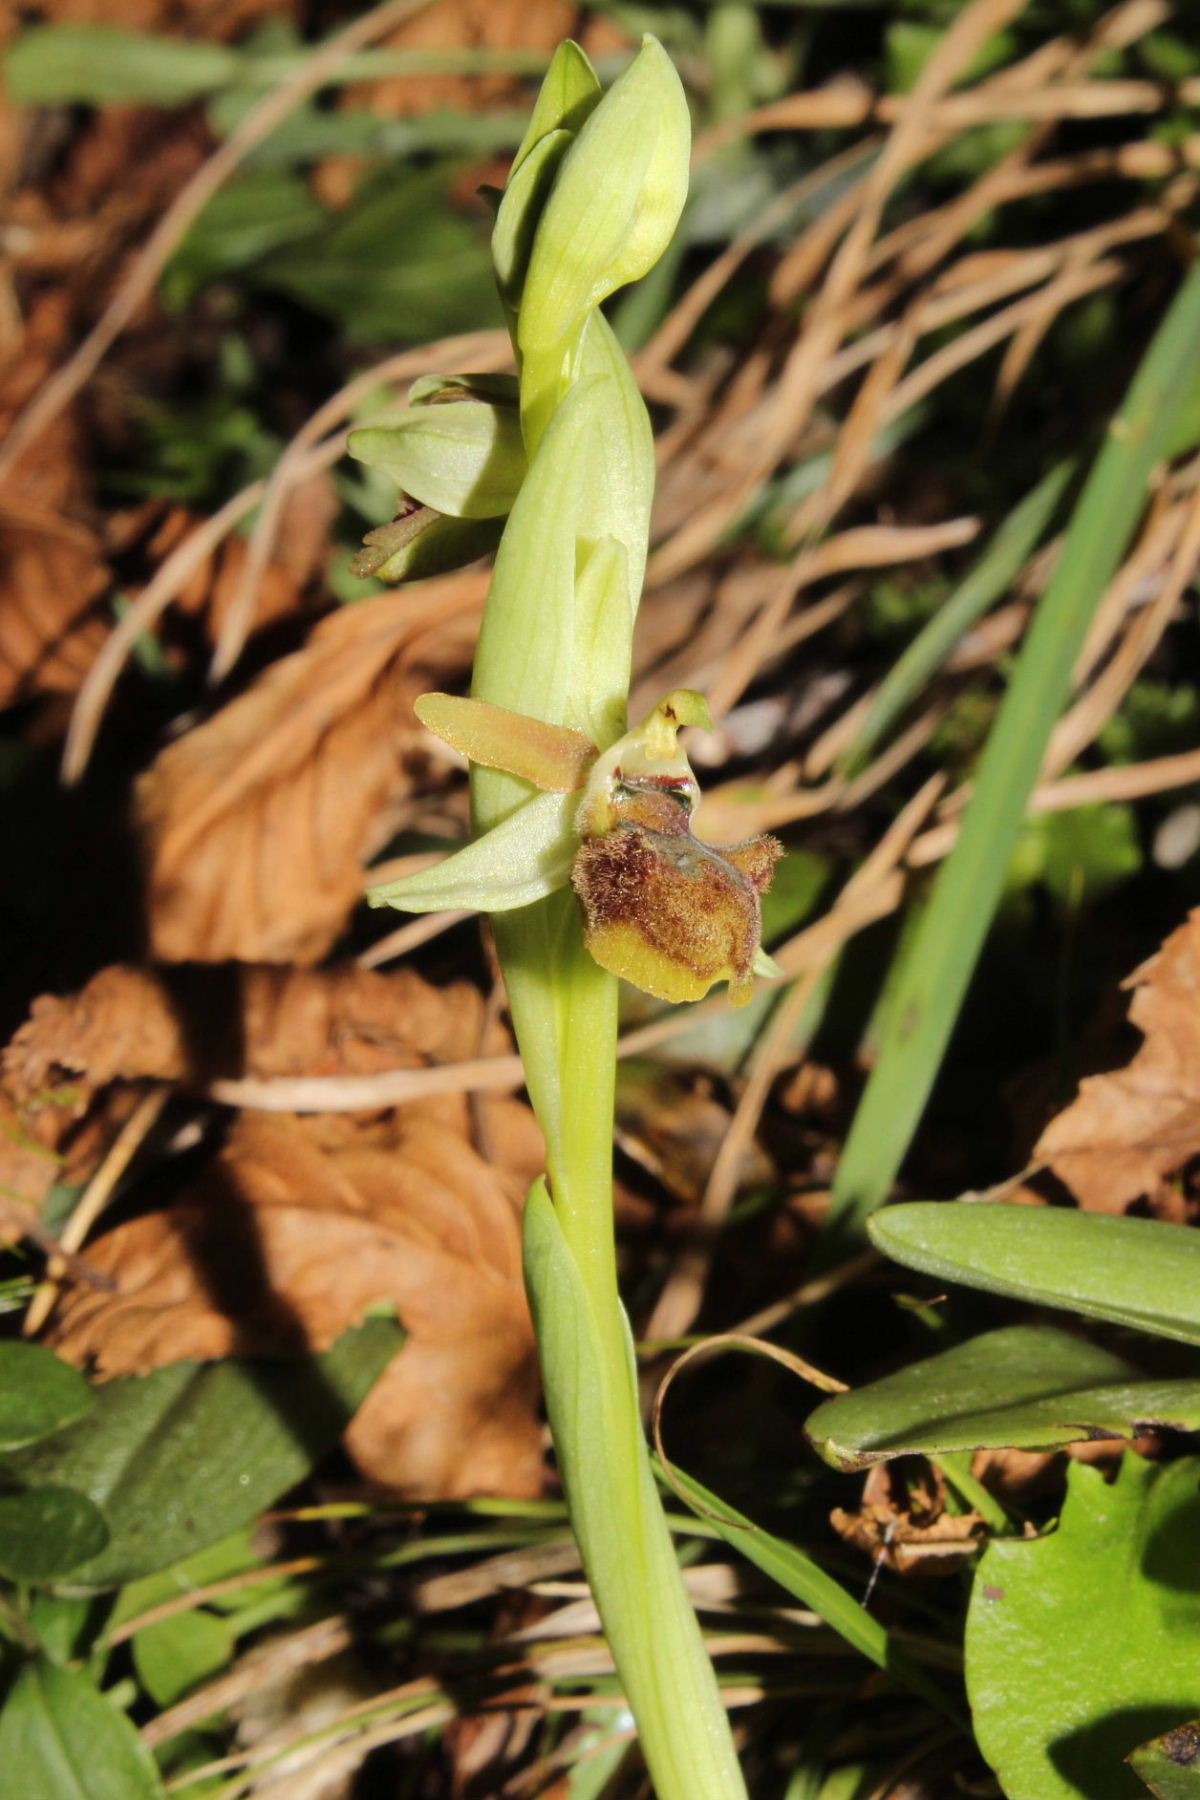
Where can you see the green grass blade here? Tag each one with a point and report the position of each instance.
(930, 990)
(994, 572)
(807, 1580)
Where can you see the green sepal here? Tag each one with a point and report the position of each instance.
(519, 213)
(570, 90)
(464, 458)
(524, 858)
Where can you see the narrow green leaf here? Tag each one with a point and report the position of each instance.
(463, 457)
(1082, 1642)
(105, 65)
(39, 1392)
(61, 1740)
(1170, 1765)
(1136, 1272)
(934, 978)
(45, 1532)
(994, 572)
(178, 1459)
(1029, 1385)
(176, 1654)
(524, 858)
(798, 1574)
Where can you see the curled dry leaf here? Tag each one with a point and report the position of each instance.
(1126, 1132)
(296, 1229)
(903, 1522)
(257, 823)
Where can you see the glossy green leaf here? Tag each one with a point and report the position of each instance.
(1136, 1272)
(524, 858)
(1082, 1643)
(462, 457)
(933, 978)
(61, 1740)
(176, 1654)
(39, 1392)
(798, 1574)
(1028, 1385)
(107, 65)
(1170, 1765)
(178, 1459)
(45, 1532)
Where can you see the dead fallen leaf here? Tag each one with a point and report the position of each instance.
(296, 1229)
(257, 823)
(903, 1523)
(1126, 1132)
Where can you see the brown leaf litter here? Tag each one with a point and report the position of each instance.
(257, 823)
(1128, 1132)
(903, 1523)
(299, 1225)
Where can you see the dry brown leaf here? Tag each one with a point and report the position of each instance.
(257, 823)
(1126, 1132)
(500, 25)
(294, 1231)
(903, 1523)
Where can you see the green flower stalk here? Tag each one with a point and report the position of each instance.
(583, 850)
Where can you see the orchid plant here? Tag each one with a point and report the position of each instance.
(584, 853)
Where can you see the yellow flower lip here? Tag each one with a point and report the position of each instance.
(663, 910)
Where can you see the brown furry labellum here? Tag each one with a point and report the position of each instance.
(661, 908)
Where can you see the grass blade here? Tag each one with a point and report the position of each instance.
(931, 986)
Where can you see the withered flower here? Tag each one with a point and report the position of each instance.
(661, 908)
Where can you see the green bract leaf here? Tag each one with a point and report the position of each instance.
(105, 65)
(569, 92)
(550, 756)
(1170, 1765)
(45, 1532)
(613, 210)
(464, 457)
(1082, 1642)
(1030, 1385)
(61, 1740)
(39, 1392)
(1133, 1271)
(525, 194)
(524, 858)
(179, 1458)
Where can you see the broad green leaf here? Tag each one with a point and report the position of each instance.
(1132, 1271)
(462, 457)
(938, 966)
(230, 1556)
(800, 1575)
(39, 1392)
(180, 1458)
(1081, 1643)
(45, 1532)
(524, 858)
(61, 1740)
(105, 65)
(176, 1654)
(1029, 1385)
(1170, 1765)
